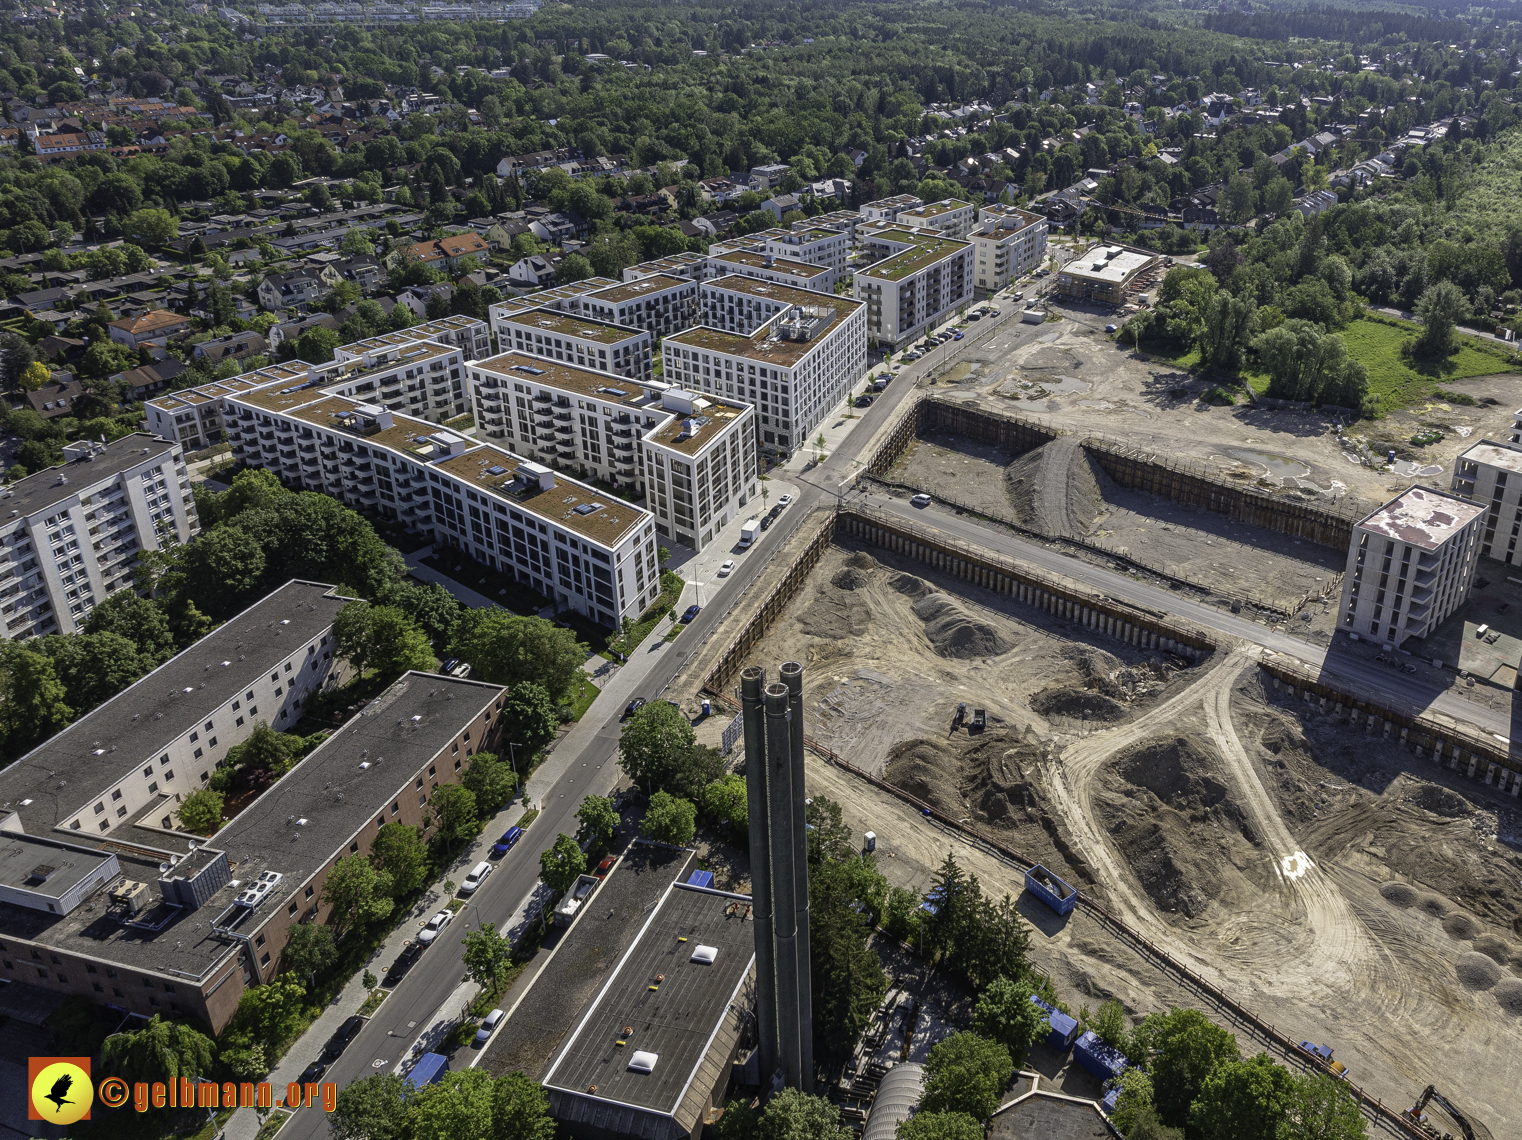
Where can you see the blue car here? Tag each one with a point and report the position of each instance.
(505, 844)
(691, 612)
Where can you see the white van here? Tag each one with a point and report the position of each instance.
(476, 877)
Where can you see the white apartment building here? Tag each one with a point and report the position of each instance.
(743, 304)
(420, 378)
(840, 221)
(582, 548)
(812, 245)
(888, 209)
(693, 457)
(1009, 244)
(795, 368)
(192, 417)
(660, 304)
(685, 264)
(754, 262)
(1410, 565)
(1490, 474)
(579, 340)
(919, 279)
(70, 534)
(470, 335)
(950, 216)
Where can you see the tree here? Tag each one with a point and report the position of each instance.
(598, 820)
(562, 863)
(374, 1108)
(795, 1115)
(490, 779)
(398, 851)
(505, 649)
(1006, 1014)
(1109, 1025)
(357, 892)
(669, 819)
(220, 571)
(726, 799)
(268, 1015)
(1243, 1100)
(966, 1073)
(940, 1126)
(487, 955)
(316, 345)
(847, 976)
(201, 812)
(33, 376)
(739, 1122)
(159, 1051)
(1440, 308)
(264, 750)
(151, 227)
(521, 1109)
(454, 810)
(528, 718)
(1321, 1108)
(382, 637)
(1187, 1047)
(93, 667)
(573, 267)
(458, 1107)
(1227, 326)
(1278, 196)
(1135, 1099)
(141, 621)
(309, 949)
(32, 699)
(1236, 205)
(828, 836)
(653, 735)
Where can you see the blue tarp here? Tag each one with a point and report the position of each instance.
(1102, 1060)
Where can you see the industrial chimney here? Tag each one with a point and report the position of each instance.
(773, 722)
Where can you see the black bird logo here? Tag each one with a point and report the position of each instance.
(60, 1091)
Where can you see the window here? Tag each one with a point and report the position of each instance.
(287, 666)
(148, 983)
(169, 987)
(291, 909)
(97, 987)
(110, 973)
(259, 941)
(89, 969)
(264, 959)
(197, 755)
(169, 772)
(194, 736)
(309, 892)
(274, 677)
(121, 811)
(395, 808)
(148, 771)
(354, 849)
(240, 723)
(117, 991)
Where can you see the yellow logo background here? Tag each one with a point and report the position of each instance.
(73, 1103)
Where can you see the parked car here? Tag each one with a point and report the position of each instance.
(724, 570)
(920, 501)
(314, 1071)
(509, 837)
(993, 312)
(605, 866)
(489, 1026)
(784, 501)
(1111, 328)
(403, 963)
(634, 706)
(956, 336)
(863, 401)
(433, 927)
(974, 316)
(689, 613)
(913, 355)
(340, 1040)
(766, 521)
(476, 877)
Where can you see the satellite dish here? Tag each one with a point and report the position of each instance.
(163, 867)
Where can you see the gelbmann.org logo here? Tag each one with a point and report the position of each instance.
(60, 1091)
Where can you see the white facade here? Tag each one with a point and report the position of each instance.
(73, 532)
(751, 260)
(888, 209)
(795, 368)
(1490, 474)
(699, 466)
(579, 340)
(659, 304)
(812, 245)
(420, 378)
(470, 335)
(1009, 244)
(950, 216)
(920, 277)
(1410, 565)
(192, 417)
(743, 304)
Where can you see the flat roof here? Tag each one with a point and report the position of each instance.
(779, 265)
(775, 291)
(66, 773)
(411, 335)
(607, 522)
(526, 368)
(39, 491)
(936, 209)
(1423, 517)
(673, 1005)
(1508, 457)
(926, 251)
(636, 290)
(762, 345)
(416, 718)
(582, 328)
(710, 417)
(45, 866)
(548, 296)
(889, 203)
(1097, 265)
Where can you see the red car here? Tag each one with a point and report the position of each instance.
(605, 866)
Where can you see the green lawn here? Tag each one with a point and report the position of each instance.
(1398, 382)
(583, 698)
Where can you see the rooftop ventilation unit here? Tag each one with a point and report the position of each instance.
(257, 891)
(643, 1062)
(132, 895)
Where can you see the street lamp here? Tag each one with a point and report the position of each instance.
(513, 757)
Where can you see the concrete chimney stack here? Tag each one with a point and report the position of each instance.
(773, 722)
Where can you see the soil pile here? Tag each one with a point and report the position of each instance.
(1461, 926)
(1435, 905)
(1493, 946)
(1058, 489)
(1440, 801)
(1165, 803)
(1078, 704)
(838, 610)
(1398, 894)
(1477, 972)
(955, 633)
(1508, 993)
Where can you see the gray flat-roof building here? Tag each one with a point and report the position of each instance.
(650, 1056)
(1490, 473)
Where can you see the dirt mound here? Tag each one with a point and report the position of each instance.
(836, 614)
(1494, 946)
(1435, 905)
(1057, 488)
(1461, 926)
(921, 768)
(1440, 801)
(1078, 704)
(1166, 806)
(955, 633)
(1398, 894)
(909, 585)
(1477, 972)
(1508, 993)
(850, 578)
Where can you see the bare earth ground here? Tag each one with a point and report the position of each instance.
(1057, 490)
(1344, 890)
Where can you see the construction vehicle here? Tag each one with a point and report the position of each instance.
(1417, 1117)
(961, 715)
(979, 720)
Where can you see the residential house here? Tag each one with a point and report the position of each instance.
(416, 297)
(298, 290)
(461, 246)
(532, 272)
(780, 204)
(153, 327)
(150, 378)
(56, 397)
(363, 270)
(235, 346)
(500, 235)
(290, 330)
(556, 229)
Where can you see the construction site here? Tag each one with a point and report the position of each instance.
(1295, 868)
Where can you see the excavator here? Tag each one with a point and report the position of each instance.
(1415, 1115)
